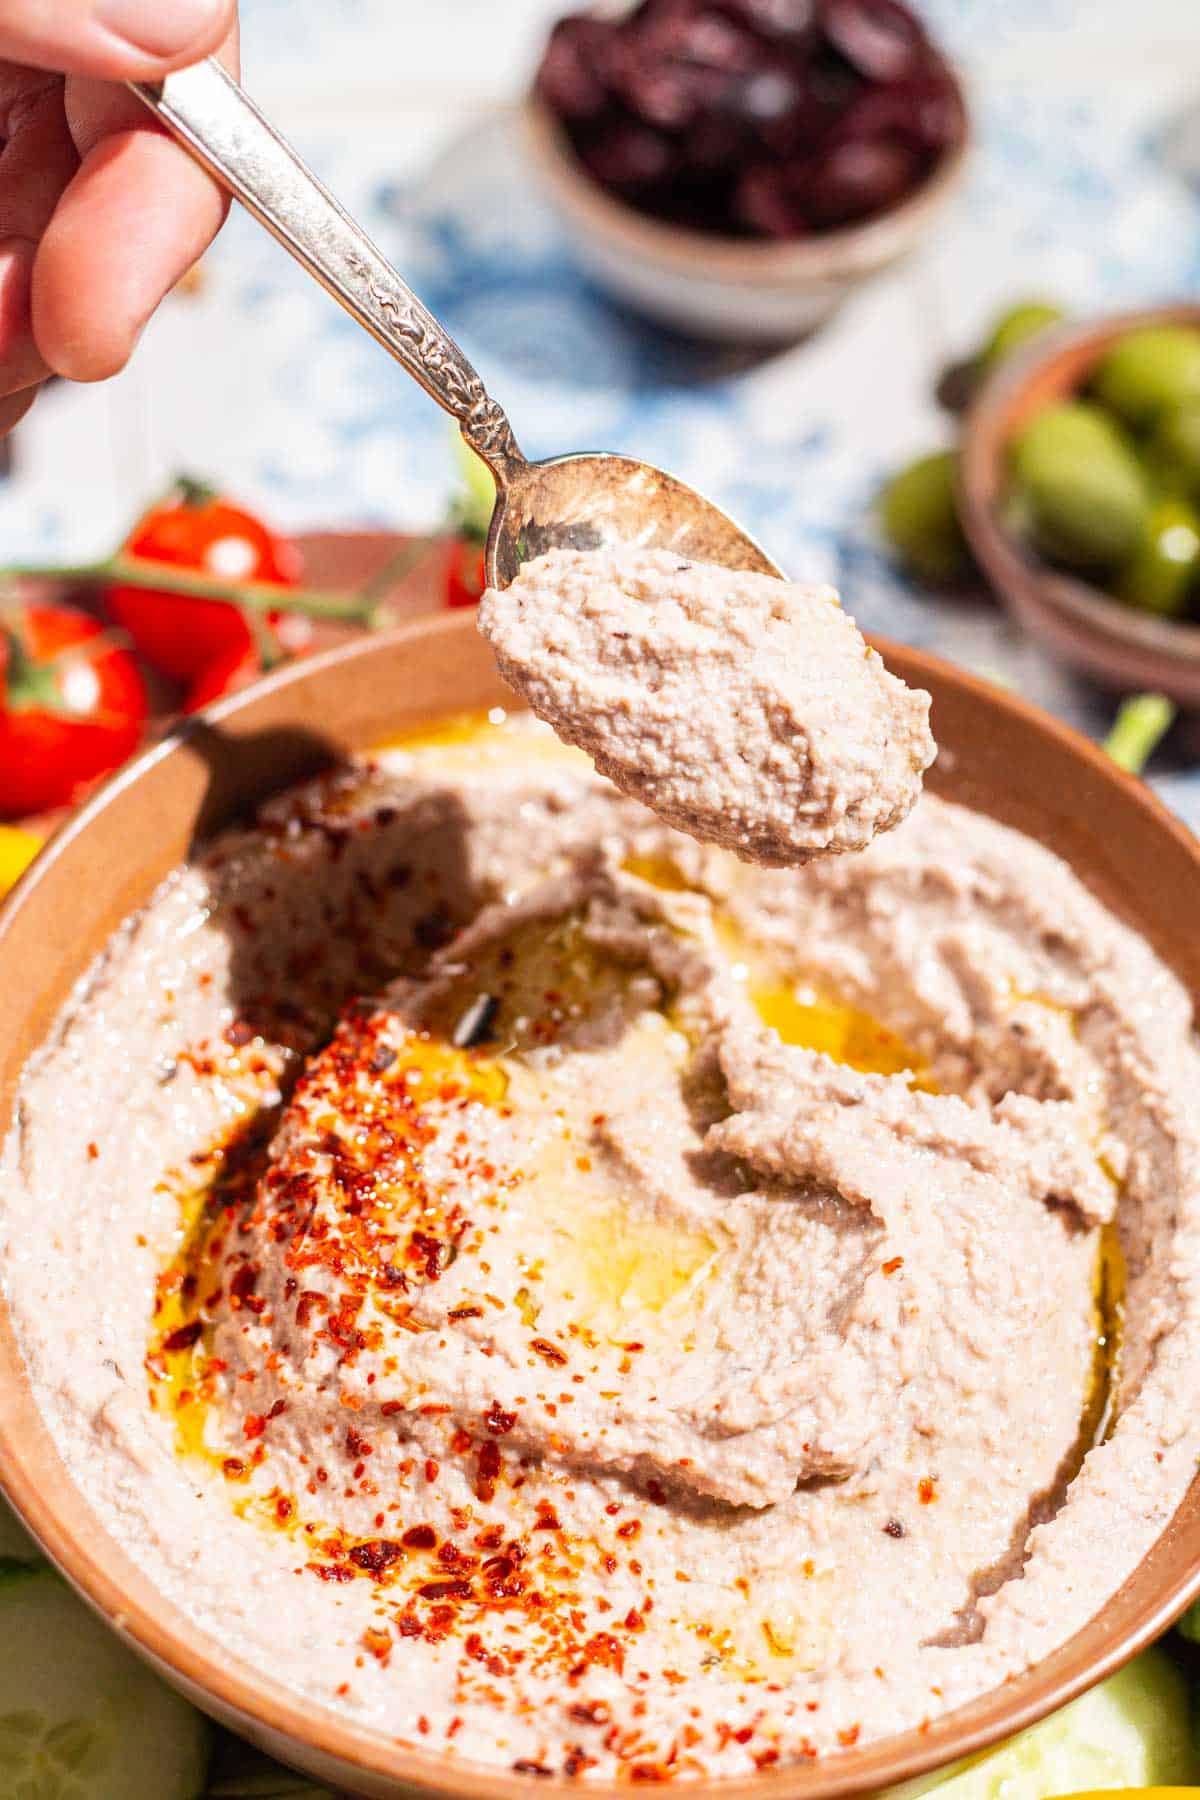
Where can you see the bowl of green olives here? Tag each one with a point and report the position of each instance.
(1079, 492)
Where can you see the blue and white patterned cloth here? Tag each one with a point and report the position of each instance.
(1075, 193)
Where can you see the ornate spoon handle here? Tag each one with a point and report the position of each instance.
(216, 120)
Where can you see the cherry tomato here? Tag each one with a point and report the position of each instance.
(197, 529)
(465, 580)
(236, 668)
(72, 707)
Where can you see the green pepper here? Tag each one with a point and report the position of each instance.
(1173, 452)
(1149, 371)
(1079, 493)
(1159, 576)
(919, 514)
(1014, 328)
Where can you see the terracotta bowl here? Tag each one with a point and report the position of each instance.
(725, 288)
(998, 754)
(1086, 627)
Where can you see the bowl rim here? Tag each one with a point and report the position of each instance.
(1023, 579)
(827, 256)
(254, 1701)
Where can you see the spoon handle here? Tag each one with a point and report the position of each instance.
(214, 118)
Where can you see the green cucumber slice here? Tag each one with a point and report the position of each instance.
(81, 1717)
(1134, 1730)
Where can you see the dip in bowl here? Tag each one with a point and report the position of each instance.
(456, 1077)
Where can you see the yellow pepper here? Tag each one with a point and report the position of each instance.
(17, 850)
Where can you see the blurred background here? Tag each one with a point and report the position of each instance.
(1081, 189)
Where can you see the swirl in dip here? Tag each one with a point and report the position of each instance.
(579, 1302)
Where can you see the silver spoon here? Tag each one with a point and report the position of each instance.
(578, 502)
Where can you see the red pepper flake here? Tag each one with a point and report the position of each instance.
(892, 1264)
(547, 1519)
(420, 1537)
(233, 1467)
(376, 1556)
(284, 1508)
(524, 1767)
(254, 1425)
(849, 1736)
(332, 1571)
(589, 1712)
(549, 1352)
(242, 1284)
(926, 1490)
(465, 1312)
(185, 1336)
(488, 1470)
(93, 1151)
(604, 1649)
(429, 1252)
(457, 1589)
(431, 1469)
(280, 1406)
(378, 1642)
(629, 1529)
(499, 1422)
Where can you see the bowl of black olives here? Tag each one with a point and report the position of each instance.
(1079, 491)
(733, 168)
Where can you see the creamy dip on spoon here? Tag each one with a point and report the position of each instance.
(746, 711)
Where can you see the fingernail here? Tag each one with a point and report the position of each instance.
(160, 27)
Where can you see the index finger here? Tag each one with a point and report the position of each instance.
(114, 40)
(132, 221)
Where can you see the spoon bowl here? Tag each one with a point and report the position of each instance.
(588, 502)
(568, 502)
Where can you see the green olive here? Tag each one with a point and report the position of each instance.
(1014, 328)
(1149, 371)
(1079, 493)
(919, 514)
(1159, 575)
(1173, 452)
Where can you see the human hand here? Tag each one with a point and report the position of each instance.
(100, 212)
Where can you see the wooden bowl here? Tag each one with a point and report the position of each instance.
(737, 290)
(1112, 642)
(998, 754)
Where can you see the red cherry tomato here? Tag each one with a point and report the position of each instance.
(72, 707)
(236, 668)
(465, 579)
(198, 530)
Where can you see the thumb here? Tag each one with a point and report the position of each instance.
(116, 40)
